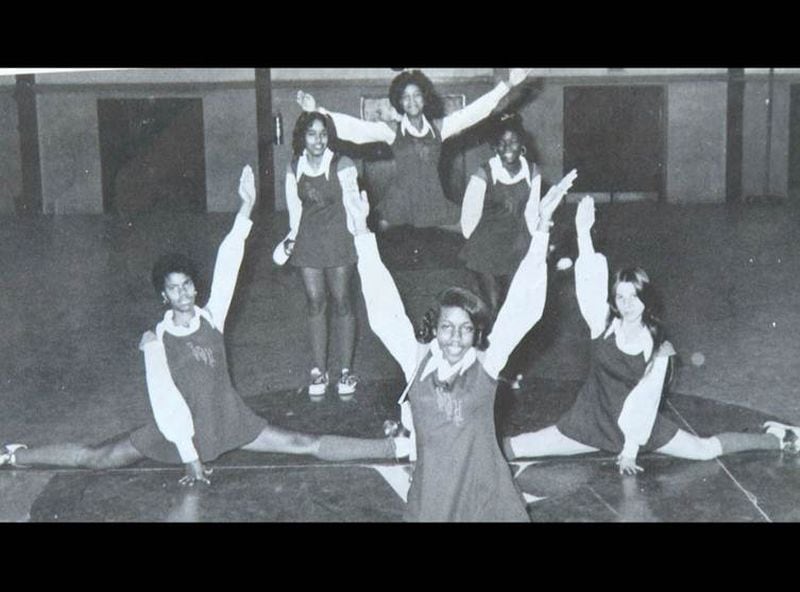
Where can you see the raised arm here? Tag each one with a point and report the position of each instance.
(527, 293)
(472, 206)
(231, 253)
(170, 411)
(385, 311)
(351, 129)
(641, 407)
(482, 107)
(591, 272)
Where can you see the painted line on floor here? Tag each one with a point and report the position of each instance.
(749, 495)
(604, 502)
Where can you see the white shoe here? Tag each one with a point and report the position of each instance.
(788, 435)
(346, 386)
(7, 457)
(318, 386)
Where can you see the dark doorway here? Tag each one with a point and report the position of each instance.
(152, 155)
(794, 142)
(614, 136)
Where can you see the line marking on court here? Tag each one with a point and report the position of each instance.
(750, 496)
(167, 469)
(604, 502)
(517, 466)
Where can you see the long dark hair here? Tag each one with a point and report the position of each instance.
(653, 308)
(306, 119)
(434, 106)
(477, 310)
(651, 315)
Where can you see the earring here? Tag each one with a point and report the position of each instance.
(524, 150)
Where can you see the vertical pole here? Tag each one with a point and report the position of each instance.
(768, 151)
(30, 202)
(266, 136)
(734, 151)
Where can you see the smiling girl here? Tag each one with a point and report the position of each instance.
(460, 473)
(492, 218)
(320, 244)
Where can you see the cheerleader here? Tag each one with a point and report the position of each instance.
(617, 408)
(321, 246)
(492, 217)
(197, 415)
(460, 473)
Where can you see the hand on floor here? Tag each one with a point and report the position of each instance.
(628, 466)
(195, 472)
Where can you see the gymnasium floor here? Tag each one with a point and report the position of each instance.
(76, 296)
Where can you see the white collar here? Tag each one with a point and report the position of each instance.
(614, 328)
(168, 324)
(405, 126)
(501, 174)
(445, 370)
(304, 167)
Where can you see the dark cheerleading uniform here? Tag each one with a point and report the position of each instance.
(501, 238)
(196, 411)
(323, 239)
(415, 195)
(617, 407)
(593, 419)
(222, 420)
(460, 474)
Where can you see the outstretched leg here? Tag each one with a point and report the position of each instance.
(118, 452)
(545, 442)
(686, 445)
(333, 448)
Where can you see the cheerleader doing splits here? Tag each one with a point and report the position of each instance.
(197, 414)
(617, 408)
